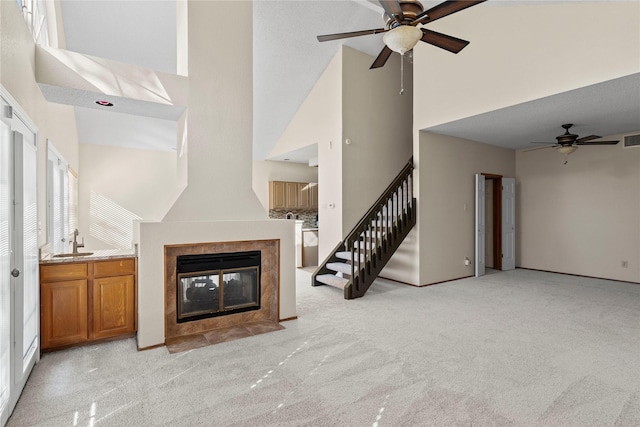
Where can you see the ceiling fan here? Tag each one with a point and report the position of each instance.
(401, 20)
(568, 142)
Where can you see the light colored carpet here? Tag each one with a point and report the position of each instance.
(515, 348)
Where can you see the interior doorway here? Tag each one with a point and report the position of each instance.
(493, 214)
(495, 223)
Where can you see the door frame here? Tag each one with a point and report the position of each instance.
(496, 218)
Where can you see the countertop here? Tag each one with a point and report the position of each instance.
(96, 256)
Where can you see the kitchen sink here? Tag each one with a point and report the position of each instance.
(71, 255)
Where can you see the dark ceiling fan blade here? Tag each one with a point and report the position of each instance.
(587, 138)
(597, 143)
(452, 44)
(337, 36)
(384, 54)
(447, 8)
(539, 148)
(392, 9)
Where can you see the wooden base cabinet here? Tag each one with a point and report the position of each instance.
(112, 306)
(87, 301)
(63, 313)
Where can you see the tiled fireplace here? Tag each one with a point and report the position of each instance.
(218, 285)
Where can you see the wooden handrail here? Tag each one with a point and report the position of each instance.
(377, 235)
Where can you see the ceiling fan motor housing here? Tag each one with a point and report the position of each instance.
(410, 9)
(566, 139)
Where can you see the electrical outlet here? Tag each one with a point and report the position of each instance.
(625, 264)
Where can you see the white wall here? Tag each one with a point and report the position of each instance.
(55, 122)
(118, 185)
(268, 170)
(583, 217)
(523, 52)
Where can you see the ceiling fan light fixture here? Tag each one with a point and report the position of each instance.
(567, 149)
(402, 39)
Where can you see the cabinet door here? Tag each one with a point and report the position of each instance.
(303, 195)
(113, 306)
(292, 195)
(313, 195)
(64, 313)
(277, 195)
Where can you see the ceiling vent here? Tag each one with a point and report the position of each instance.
(632, 141)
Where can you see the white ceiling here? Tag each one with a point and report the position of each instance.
(288, 60)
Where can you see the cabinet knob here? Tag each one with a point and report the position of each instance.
(15, 272)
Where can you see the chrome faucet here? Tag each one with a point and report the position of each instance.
(77, 245)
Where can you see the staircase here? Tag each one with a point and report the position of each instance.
(356, 261)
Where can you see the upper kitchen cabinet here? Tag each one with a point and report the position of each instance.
(277, 195)
(293, 195)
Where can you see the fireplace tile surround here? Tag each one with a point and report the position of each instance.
(269, 279)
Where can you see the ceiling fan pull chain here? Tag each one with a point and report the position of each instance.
(401, 73)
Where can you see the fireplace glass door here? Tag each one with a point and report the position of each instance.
(214, 293)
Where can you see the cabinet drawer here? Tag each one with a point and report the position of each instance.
(52, 273)
(114, 268)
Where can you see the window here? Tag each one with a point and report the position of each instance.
(34, 13)
(57, 201)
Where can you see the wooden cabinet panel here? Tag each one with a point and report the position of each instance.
(291, 195)
(277, 195)
(303, 195)
(63, 313)
(313, 195)
(114, 268)
(113, 304)
(63, 271)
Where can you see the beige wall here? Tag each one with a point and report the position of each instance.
(447, 201)
(523, 52)
(525, 57)
(377, 120)
(267, 170)
(118, 185)
(219, 203)
(220, 117)
(583, 217)
(17, 76)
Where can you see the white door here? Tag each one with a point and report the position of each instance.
(18, 257)
(481, 225)
(508, 223)
(25, 259)
(5, 270)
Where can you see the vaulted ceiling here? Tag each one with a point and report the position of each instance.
(288, 60)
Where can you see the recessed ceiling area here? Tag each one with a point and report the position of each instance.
(607, 108)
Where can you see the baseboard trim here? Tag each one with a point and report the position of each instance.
(428, 284)
(288, 318)
(151, 347)
(580, 275)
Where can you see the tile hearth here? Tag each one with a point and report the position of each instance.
(216, 336)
